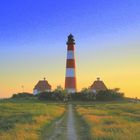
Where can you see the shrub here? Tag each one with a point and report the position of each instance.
(45, 96)
(108, 95)
(84, 95)
(22, 95)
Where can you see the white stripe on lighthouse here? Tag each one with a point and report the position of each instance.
(70, 55)
(70, 72)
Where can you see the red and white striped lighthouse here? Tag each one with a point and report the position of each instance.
(70, 79)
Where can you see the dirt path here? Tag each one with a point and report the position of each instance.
(69, 127)
(71, 131)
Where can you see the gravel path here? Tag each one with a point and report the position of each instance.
(71, 131)
(68, 127)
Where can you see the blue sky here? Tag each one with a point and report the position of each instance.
(33, 36)
(28, 20)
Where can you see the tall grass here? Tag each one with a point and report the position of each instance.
(25, 121)
(115, 121)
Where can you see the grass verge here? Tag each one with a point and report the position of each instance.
(25, 121)
(112, 121)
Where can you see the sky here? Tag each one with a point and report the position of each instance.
(33, 35)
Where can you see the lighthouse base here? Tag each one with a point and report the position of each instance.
(71, 90)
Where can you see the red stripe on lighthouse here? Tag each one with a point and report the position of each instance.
(70, 83)
(70, 48)
(70, 63)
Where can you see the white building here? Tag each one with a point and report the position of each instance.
(42, 86)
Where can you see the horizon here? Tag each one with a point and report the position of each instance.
(33, 36)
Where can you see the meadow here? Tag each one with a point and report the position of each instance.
(27, 120)
(34, 120)
(112, 121)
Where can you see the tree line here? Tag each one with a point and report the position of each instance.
(84, 95)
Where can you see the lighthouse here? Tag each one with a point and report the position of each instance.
(70, 79)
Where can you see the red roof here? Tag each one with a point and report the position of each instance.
(98, 85)
(42, 85)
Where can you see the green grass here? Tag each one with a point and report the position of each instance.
(33, 119)
(26, 120)
(112, 121)
(81, 127)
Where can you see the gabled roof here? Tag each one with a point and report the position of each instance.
(98, 85)
(42, 85)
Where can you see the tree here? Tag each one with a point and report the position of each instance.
(59, 93)
(111, 94)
